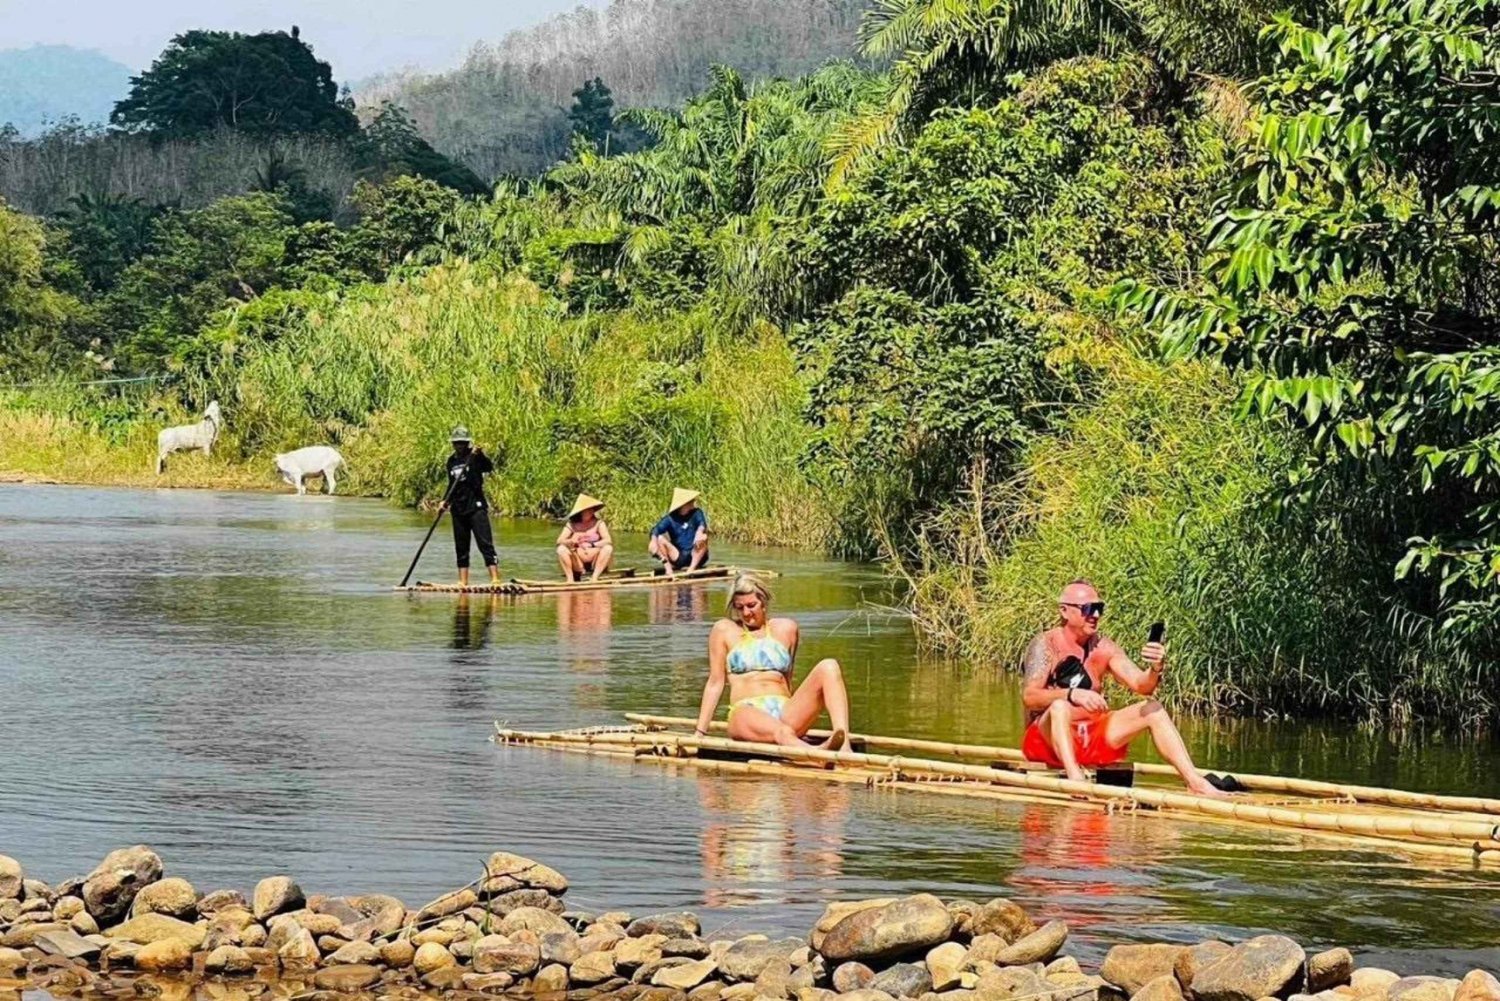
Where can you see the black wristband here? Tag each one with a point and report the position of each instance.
(1070, 696)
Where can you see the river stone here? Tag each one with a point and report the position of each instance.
(903, 980)
(1131, 967)
(68, 906)
(945, 962)
(592, 967)
(1001, 917)
(506, 872)
(355, 954)
(493, 954)
(560, 948)
(275, 895)
(300, 948)
(431, 956)
(346, 978)
(1264, 966)
(631, 953)
(1038, 947)
(550, 979)
(84, 924)
(838, 911)
(150, 928)
(507, 902)
(444, 978)
(253, 935)
(849, 977)
(1369, 980)
(488, 983)
(11, 959)
(748, 957)
(1329, 969)
(904, 926)
(398, 954)
(1422, 989)
(677, 925)
(229, 959)
(866, 995)
(163, 955)
(536, 919)
(222, 900)
(385, 913)
(1479, 985)
(1162, 988)
(775, 980)
(1194, 958)
(688, 948)
(448, 903)
(173, 896)
(338, 907)
(683, 976)
(12, 878)
(110, 888)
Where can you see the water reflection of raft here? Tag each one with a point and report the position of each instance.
(1457, 827)
(610, 579)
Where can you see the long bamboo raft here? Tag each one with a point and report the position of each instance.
(1357, 816)
(607, 581)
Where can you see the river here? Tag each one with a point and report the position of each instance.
(229, 678)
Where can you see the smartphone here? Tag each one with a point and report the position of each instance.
(1157, 633)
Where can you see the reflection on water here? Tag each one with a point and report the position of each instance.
(230, 678)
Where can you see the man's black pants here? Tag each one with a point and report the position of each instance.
(476, 524)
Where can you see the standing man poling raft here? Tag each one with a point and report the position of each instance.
(1070, 725)
(680, 539)
(471, 518)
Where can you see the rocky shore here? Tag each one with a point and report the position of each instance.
(126, 930)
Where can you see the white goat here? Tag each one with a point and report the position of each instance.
(189, 436)
(314, 460)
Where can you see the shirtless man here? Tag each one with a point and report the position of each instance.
(1070, 723)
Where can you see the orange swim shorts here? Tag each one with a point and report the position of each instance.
(1088, 744)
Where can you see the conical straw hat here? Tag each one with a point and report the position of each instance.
(681, 497)
(584, 503)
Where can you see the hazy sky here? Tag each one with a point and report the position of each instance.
(359, 37)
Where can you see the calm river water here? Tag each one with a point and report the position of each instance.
(228, 678)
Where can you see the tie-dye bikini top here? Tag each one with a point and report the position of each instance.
(759, 653)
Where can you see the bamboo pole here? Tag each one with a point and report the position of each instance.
(1260, 783)
(571, 743)
(1410, 825)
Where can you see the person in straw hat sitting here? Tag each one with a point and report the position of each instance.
(680, 539)
(585, 543)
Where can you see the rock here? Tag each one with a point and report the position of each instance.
(1010, 982)
(688, 948)
(775, 981)
(445, 978)
(866, 995)
(944, 962)
(685, 976)
(1264, 966)
(1001, 917)
(431, 956)
(1131, 967)
(83, 923)
(338, 907)
(164, 955)
(67, 944)
(398, 954)
(1195, 957)
(543, 922)
(67, 906)
(747, 958)
(903, 980)
(1329, 969)
(838, 911)
(805, 994)
(20, 936)
(1372, 980)
(631, 953)
(448, 903)
(1062, 964)
(1037, 947)
(848, 977)
(119, 953)
(985, 948)
(494, 954)
(222, 900)
(440, 936)
(172, 896)
(274, 895)
(491, 983)
(680, 925)
(384, 915)
(550, 979)
(1479, 985)
(592, 967)
(150, 928)
(110, 889)
(11, 960)
(560, 948)
(737, 992)
(1422, 989)
(1163, 988)
(901, 927)
(12, 878)
(228, 959)
(506, 872)
(318, 924)
(346, 977)
(253, 935)
(356, 954)
(299, 949)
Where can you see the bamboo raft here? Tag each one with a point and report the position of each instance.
(1458, 828)
(607, 581)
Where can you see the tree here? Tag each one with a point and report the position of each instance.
(37, 321)
(392, 147)
(593, 114)
(105, 234)
(1354, 271)
(265, 84)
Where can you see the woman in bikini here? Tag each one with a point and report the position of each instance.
(753, 654)
(585, 542)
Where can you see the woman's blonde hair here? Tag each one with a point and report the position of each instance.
(746, 583)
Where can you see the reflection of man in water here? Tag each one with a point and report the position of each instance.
(764, 837)
(465, 636)
(683, 603)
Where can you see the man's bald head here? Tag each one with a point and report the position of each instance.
(1078, 592)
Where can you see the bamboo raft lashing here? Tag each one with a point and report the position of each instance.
(1477, 805)
(1384, 827)
(607, 581)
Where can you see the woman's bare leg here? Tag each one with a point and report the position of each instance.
(759, 726)
(603, 556)
(823, 688)
(565, 560)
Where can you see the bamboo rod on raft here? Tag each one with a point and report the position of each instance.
(1266, 783)
(1410, 826)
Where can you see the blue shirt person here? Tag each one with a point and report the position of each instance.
(680, 539)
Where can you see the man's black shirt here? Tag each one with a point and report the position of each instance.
(468, 492)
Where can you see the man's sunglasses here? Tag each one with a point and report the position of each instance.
(1090, 609)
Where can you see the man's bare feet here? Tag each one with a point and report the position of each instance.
(1202, 787)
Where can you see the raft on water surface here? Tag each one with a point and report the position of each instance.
(610, 579)
(1457, 827)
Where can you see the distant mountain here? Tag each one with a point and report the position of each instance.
(50, 82)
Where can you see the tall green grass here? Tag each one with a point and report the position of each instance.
(1157, 492)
